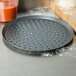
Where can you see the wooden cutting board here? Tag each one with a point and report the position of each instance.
(68, 16)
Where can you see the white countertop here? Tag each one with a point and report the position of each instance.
(15, 64)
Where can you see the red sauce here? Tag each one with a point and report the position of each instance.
(8, 10)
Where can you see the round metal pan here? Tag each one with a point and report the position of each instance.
(37, 34)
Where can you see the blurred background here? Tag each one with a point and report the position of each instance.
(29, 4)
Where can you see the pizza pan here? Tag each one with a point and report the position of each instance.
(37, 34)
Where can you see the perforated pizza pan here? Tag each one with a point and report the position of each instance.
(37, 33)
